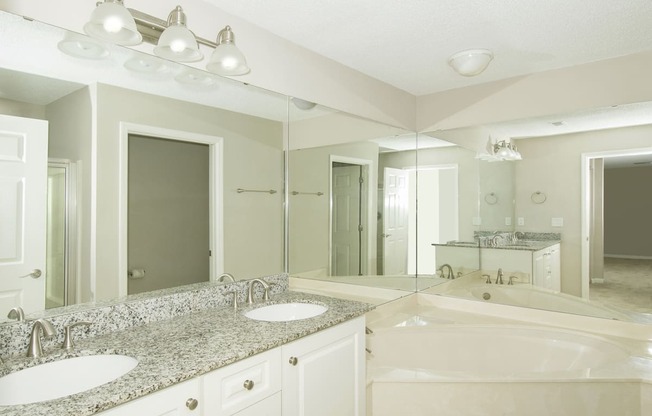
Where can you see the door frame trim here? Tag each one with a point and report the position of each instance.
(370, 248)
(216, 186)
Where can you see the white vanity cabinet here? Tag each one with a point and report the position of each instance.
(320, 374)
(183, 399)
(546, 271)
(238, 386)
(541, 268)
(324, 374)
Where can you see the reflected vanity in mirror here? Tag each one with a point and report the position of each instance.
(157, 163)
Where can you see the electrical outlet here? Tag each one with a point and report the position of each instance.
(557, 222)
(520, 221)
(477, 221)
(508, 220)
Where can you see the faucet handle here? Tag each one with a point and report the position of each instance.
(235, 298)
(16, 313)
(68, 344)
(511, 279)
(488, 281)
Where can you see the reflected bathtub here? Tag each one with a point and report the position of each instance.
(538, 298)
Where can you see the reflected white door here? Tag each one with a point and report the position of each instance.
(345, 251)
(395, 221)
(23, 189)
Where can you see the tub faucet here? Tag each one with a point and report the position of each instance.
(450, 274)
(226, 276)
(499, 277)
(40, 325)
(266, 287)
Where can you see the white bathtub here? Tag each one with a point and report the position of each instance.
(464, 352)
(467, 370)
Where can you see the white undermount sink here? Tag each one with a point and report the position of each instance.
(62, 378)
(283, 312)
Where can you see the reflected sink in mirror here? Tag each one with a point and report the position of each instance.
(284, 312)
(62, 378)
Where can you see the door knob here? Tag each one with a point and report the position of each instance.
(35, 274)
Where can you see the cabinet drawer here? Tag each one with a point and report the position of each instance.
(233, 388)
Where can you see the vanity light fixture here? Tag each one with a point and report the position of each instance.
(471, 62)
(112, 22)
(227, 58)
(177, 42)
(500, 151)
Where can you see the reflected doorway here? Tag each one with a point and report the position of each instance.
(616, 227)
(168, 213)
(349, 235)
(60, 276)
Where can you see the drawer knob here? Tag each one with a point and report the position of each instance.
(294, 360)
(248, 384)
(192, 403)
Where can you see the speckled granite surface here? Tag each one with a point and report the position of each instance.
(130, 311)
(177, 349)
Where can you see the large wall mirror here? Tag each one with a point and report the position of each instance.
(159, 174)
(369, 203)
(582, 177)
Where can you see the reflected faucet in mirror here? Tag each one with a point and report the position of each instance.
(16, 313)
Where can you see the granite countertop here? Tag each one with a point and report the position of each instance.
(526, 245)
(181, 348)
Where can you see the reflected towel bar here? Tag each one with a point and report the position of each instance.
(307, 193)
(240, 190)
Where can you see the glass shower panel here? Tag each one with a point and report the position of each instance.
(55, 276)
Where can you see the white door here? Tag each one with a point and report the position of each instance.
(23, 189)
(345, 252)
(395, 221)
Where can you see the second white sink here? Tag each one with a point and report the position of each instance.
(283, 312)
(62, 378)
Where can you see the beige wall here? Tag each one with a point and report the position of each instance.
(622, 80)
(253, 223)
(552, 165)
(627, 210)
(19, 109)
(309, 214)
(72, 137)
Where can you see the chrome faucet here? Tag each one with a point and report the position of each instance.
(16, 313)
(40, 325)
(450, 275)
(226, 276)
(266, 287)
(499, 277)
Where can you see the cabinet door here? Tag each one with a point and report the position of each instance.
(271, 406)
(555, 267)
(172, 401)
(324, 373)
(539, 272)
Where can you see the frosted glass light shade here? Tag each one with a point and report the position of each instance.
(227, 58)
(177, 43)
(112, 22)
(471, 62)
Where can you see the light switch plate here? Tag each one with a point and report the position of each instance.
(477, 221)
(508, 220)
(557, 222)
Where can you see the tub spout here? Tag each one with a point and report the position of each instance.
(450, 274)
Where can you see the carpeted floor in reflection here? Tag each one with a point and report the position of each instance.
(627, 284)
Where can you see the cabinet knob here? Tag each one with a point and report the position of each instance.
(248, 384)
(192, 403)
(294, 360)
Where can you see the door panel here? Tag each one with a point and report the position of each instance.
(23, 186)
(395, 222)
(345, 254)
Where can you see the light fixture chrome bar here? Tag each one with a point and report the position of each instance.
(151, 28)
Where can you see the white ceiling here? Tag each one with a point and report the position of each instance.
(407, 43)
